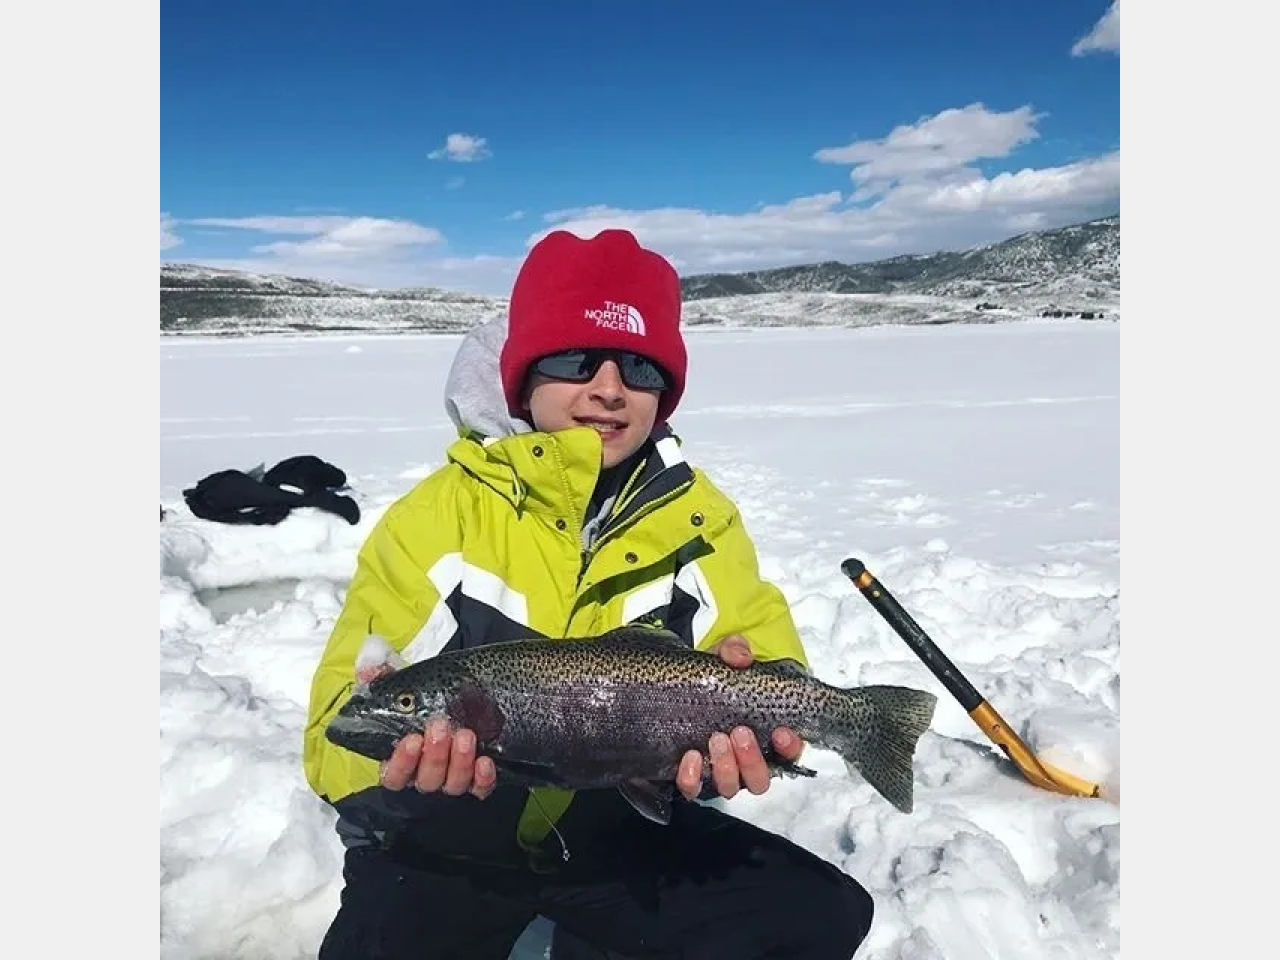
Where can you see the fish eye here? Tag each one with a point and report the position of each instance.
(405, 702)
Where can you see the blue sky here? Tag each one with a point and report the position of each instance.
(390, 144)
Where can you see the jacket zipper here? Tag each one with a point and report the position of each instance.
(589, 553)
(625, 495)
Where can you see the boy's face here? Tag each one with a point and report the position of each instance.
(623, 416)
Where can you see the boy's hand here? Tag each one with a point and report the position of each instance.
(439, 760)
(736, 760)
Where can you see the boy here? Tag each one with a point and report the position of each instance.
(565, 509)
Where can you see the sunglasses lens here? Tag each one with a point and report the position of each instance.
(640, 373)
(573, 365)
(578, 366)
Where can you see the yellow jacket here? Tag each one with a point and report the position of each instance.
(489, 547)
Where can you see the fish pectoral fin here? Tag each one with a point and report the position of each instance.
(475, 709)
(650, 800)
(542, 774)
(790, 768)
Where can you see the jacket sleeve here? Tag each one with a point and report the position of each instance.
(722, 593)
(392, 596)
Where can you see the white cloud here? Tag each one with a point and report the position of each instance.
(365, 251)
(917, 190)
(297, 226)
(168, 239)
(461, 148)
(1086, 182)
(933, 146)
(919, 218)
(331, 237)
(490, 275)
(1105, 34)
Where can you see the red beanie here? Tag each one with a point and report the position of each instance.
(604, 292)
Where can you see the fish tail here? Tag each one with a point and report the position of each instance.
(881, 748)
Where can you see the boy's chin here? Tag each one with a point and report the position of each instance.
(616, 451)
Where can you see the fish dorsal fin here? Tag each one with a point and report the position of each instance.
(791, 666)
(638, 634)
(649, 799)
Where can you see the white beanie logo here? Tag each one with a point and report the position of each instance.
(616, 316)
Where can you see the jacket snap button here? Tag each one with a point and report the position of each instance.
(560, 524)
(537, 451)
(631, 558)
(696, 519)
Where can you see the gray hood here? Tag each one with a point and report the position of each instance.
(473, 395)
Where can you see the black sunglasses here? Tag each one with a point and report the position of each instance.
(579, 366)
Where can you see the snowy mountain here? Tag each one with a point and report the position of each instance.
(205, 301)
(1068, 271)
(1081, 261)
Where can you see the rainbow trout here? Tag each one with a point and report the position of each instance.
(620, 710)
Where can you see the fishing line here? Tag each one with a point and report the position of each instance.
(564, 847)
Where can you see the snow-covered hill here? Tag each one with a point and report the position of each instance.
(201, 300)
(1078, 263)
(1068, 271)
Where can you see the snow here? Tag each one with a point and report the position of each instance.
(821, 309)
(974, 469)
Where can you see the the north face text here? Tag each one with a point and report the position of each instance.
(616, 316)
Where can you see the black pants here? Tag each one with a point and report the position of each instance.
(707, 886)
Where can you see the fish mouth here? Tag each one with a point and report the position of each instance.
(367, 736)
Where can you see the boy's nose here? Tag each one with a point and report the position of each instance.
(607, 383)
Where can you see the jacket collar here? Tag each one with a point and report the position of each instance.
(555, 473)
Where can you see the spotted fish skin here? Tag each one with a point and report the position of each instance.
(598, 712)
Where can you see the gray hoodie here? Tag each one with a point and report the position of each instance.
(473, 395)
